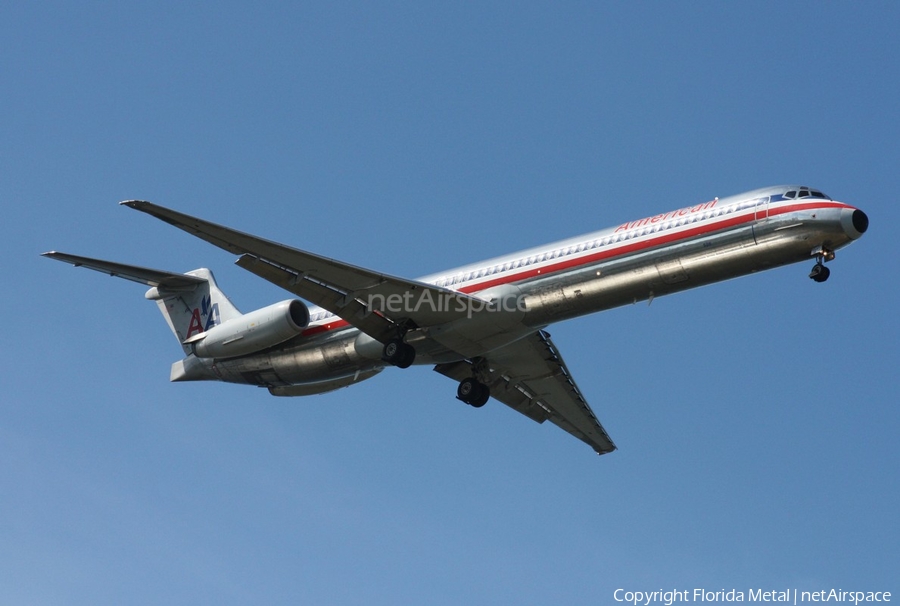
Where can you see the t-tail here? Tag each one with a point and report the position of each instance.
(192, 311)
(191, 302)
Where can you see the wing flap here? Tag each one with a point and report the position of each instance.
(502, 388)
(530, 376)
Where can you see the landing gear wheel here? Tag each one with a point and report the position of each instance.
(398, 353)
(483, 396)
(473, 393)
(819, 272)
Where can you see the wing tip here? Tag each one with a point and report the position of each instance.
(64, 257)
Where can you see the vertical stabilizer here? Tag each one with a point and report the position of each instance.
(195, 310)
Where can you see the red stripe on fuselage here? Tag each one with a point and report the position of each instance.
(314, 330)
(643, 245)
(749, 216)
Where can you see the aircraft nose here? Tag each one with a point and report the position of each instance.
(855, 222)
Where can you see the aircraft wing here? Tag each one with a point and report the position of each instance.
(355, 294)
(529, 376)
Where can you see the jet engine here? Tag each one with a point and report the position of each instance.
(252, 332)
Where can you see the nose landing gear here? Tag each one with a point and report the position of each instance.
(819, 272)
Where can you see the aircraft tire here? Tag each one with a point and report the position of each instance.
(398, 353)
(473, 393)
(819, 273)
(484, 394)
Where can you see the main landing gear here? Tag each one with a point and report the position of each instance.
(398, 353)
(473, 393)
(819, 272)
(471, 390)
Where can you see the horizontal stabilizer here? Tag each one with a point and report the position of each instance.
(143, 275)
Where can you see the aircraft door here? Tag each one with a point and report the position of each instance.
(760, 216)
(762, 209)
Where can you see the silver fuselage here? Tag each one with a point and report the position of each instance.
(636, 261)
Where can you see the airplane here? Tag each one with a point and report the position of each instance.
(482, 325)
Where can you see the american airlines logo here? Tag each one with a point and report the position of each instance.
(208, 310)
(681, 212)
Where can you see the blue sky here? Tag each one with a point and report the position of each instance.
(756, 419)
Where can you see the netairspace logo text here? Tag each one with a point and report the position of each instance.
(784, 596)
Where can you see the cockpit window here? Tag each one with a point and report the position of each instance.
(802, 193)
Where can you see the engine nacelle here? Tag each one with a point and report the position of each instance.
(252, 332)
